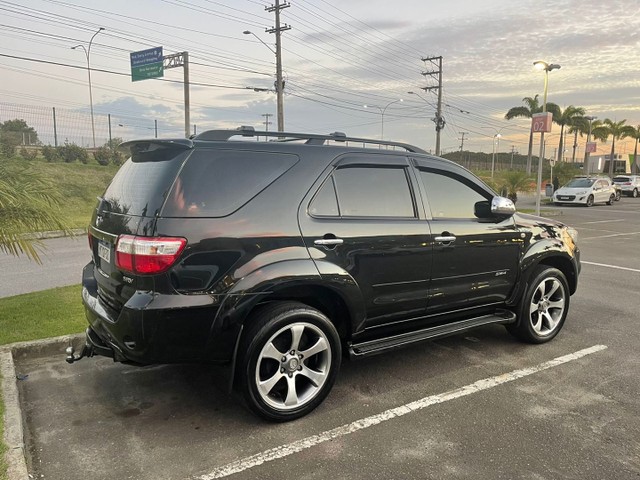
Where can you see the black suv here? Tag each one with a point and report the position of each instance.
(279, 257)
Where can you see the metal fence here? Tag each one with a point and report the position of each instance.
(56, 126)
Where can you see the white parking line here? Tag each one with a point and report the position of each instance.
(611, 266)
(305, 443)
(609, 236)
(607, 221)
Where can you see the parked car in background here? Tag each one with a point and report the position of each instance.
(586, 191)
(629, 184)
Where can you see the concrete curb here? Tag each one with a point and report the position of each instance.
(75, 232)
(13, 430)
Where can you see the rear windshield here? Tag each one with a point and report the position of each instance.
(216, 183)
(621, 179)
(142, 183)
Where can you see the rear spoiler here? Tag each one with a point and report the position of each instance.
(143, 146)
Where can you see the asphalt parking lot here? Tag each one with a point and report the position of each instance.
(474, 406)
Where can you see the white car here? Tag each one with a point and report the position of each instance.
(630, 184)
(586, 191)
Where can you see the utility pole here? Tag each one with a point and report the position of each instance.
(513, 150)
(436, 62)
(278, 29)
(267, 122)
(462, 140)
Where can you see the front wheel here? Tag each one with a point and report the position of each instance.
(543, 307)
(590, 201)
(291, 357)
(634, 194)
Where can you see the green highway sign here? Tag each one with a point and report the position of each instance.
(143, 72)
(147, 64)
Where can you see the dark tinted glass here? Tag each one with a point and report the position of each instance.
(373, 192)
(450, 196)
(216, 183)
(325, 203)
(142, 183)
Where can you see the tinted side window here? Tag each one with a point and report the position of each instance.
(216, 183)
(450, 196)
(325, 202)
(373, 192)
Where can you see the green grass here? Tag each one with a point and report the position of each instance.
(45, 314)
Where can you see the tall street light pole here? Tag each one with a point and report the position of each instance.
(87, 53)
(587, 152)
(382, 110)
(278, 84)
(547, 67)
(496, 137)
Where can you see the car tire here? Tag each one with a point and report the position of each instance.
(290, 358)
(543, 307)
(590, 201)
(612, 199)
(634, 194)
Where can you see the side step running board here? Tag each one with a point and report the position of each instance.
(372, 347)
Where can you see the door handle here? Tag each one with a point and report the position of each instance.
(445, 239)
(328, 242)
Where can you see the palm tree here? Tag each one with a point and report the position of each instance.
(565, 118)
(532, 105)
(635, 167)
(579, 126)
(28, 204)
(617, 131)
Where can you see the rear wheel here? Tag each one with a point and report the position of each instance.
(612, 199)
(590, 201)
(291, 357)
(634, 194)
(544, 306)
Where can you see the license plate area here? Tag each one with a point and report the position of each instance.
(104, 251)
(563, 198)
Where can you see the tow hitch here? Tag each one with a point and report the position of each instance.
(87, 351)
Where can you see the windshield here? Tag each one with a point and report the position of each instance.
(580, 183)
(621, 179)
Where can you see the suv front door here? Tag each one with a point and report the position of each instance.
(475, 261)
(363, 217)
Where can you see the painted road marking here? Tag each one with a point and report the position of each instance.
(300, 445)
(609, 236)
(606, 221)
(611, 266)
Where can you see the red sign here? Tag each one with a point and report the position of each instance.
(541, 122)
(591, 147)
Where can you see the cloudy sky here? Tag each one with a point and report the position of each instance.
(337, 57)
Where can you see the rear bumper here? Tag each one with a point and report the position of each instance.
(153, 328)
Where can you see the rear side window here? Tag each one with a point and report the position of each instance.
(365, 192)
(215, 183)
(142, 183)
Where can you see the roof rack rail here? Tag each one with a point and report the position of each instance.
(311, 139)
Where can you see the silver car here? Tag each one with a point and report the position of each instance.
(630, 184)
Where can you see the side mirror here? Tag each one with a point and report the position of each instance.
(502, 206)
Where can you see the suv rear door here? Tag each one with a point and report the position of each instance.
(363, 217)
(129, 206)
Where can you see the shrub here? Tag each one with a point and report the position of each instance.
(70, 152)
(102, 155)
(30, 154)
(8, 143)
(50, 153)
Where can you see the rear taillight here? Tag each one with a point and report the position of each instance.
(147, 255)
